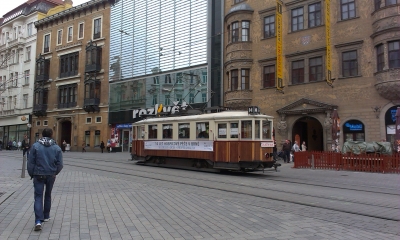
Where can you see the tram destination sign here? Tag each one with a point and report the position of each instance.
(205, 146)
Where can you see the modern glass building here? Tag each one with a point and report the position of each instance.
(161, 52)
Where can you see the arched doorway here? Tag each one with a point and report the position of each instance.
(310, 130)
(65, 132)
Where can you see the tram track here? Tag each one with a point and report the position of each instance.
(342, 205)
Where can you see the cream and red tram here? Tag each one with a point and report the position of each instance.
(230, 140)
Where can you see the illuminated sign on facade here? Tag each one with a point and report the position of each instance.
(158, 108)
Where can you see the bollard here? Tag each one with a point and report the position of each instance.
(23, 166)
(312, 162)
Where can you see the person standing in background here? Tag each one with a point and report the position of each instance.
(102, 146)
(303, 146)
(25, 146)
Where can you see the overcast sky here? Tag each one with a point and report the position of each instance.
(8, 5)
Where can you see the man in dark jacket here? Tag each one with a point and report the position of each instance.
(25, 146)
(286, 150)
(44, 163)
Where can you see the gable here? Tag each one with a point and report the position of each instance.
(306, 105)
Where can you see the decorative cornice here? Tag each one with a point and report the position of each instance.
(317, 107)
(267, 59)
(305, 52)
(249, 60)
(348, 44)
(393, 29)
(267, 10)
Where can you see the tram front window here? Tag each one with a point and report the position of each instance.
(235, 130)
(184, 130)
(266, 129)
(152, 131)
(246, 129)
(167, 131)
(202, 130)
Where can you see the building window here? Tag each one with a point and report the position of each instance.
(391, 2)
(269, 76)
(97, 28)
(69, 38)
(28, 54)
(69, 64)
(315, 69)
(97, 138)
(17, 56)
(25, 101)
(67, 96)
(377, 4)
(204, 78)
(37, 123)
(98, 119)
(46, 43)
(16, 79)
(27, 73)
(350, 66)
(29, 28)
(80, 33)
(348, 9)
(156, 80)
(167, 100)
(12, 56)
(234, 80)
(237, 1)
(45, 123)
(204, 97)
(298, 72)
(191, 97)
(155, 98)
(87, 137)
(245, 31)
(168, 78)
(354, 130)
(178, 98)
(92, 90)
(269, 26)
(314, 15)
(297, 19)
(88, 120)
(59, 37)
(235, 32)
(184, 130)
(380, 57)
(394, 54)
(245, 79)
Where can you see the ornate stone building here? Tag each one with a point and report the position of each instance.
(71, 81)
(364, 58)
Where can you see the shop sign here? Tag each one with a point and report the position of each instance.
(354, 126)
(205, 146)
(158, 108)
(127, 125)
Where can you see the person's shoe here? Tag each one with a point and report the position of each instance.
(38, 226)
(46, 219)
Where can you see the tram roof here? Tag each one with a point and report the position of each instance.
(206, 116)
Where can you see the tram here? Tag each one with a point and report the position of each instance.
(228, 140)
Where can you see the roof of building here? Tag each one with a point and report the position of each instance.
(240, 7)
(29, 7)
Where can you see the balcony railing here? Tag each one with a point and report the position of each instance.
(39, 109)
(67, 105)
(91, 104)
(93, 67)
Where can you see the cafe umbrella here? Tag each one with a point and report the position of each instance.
(335, 131)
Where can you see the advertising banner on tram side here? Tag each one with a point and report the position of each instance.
(179, 145)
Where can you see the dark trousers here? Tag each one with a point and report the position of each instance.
(25, 151)
(42, 211)
(287, 156)
(102, 150)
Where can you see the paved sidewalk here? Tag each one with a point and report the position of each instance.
(88, 205)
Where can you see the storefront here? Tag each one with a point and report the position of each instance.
(354, 130)
(124, 131)
(390, 124)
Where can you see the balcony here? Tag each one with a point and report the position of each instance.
(238, 99)
(388, 84)
(66, 105)
(91, 104)
(95, 67)
(42, 77)
(39, 110)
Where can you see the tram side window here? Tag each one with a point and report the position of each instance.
(222, 130)
(167, 131)
(152, 131)
(257, 129)
(235, 130)
(141, 131)
(202, 129)
(266, 129)
(246, 129)
(184, 130)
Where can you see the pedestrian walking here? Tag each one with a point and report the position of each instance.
(63, 146)
(102, 146)
(25, 146)
(44, 163)
(303, 146)
(286, 150)
(19, 144)
(83, 147)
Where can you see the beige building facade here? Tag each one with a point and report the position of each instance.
(365, 64)
(71, 81)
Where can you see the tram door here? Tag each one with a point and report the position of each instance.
(125, 140)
